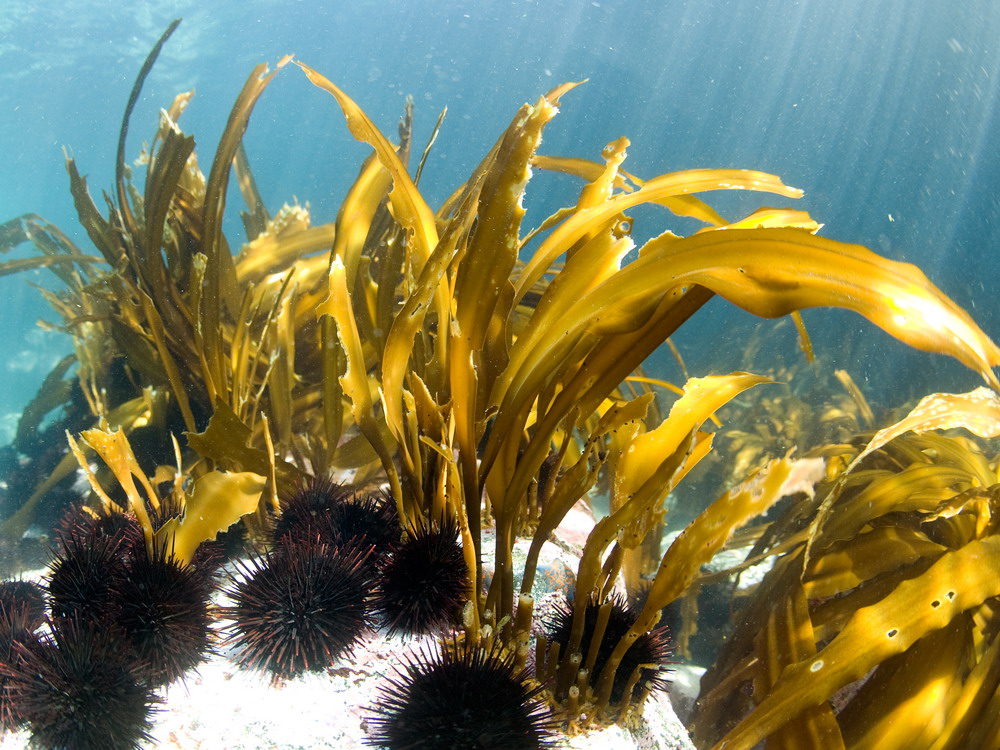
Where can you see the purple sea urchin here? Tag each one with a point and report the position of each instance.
(367, 520)
(78, 689)
(162, 607)
(460, 697)
(82, 575)
(299, 607)
(335, 514)
(307, 509)
(159, 607)
(649, 648)
(16, 627)
(22, 595)
(424, 582)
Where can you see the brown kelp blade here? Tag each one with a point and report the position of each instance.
(768, 272)
(959, 580)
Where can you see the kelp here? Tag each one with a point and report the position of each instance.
(216, 501)
(484, 371)
(891, 585)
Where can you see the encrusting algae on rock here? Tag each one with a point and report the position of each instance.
(489, 378)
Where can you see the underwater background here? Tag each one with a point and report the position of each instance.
(883, 112)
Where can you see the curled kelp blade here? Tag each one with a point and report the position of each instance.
(978, 411)
(768, 272)
(774, 271)
(958, 581)
(653, 191)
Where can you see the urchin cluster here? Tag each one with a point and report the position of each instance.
(652, 648)
(337, 566)
(121, 623)
(335, 513)
(159, 606)
(124, 621)
(460, 697)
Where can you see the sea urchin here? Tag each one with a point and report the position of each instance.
(424, 582)
(299, 607)
(78, 689)
(163, 608)
(460, 697)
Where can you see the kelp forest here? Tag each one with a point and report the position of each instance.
(474, 379)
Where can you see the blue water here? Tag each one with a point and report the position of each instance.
(884, 112)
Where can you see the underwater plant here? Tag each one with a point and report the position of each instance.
(876, 625)
(487, 376)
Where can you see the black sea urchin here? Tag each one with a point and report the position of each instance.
(308, 507)
(79, 690)
(82, 575)
(27, 596)
(299, 607)
(424, 582)
(366, 520)
(162, 608)
(462, 698)
(650, 648)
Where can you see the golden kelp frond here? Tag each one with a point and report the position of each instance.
(217, 501)
(890, 583)
(656, 189)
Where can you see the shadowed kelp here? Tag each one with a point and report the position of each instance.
(478, 369)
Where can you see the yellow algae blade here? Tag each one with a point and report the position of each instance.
(788, 637)
(977, 411)
(664, 186)
(957, 581)
(907, 701)
(355, 380)
(770, 273)
(702, 398)
(774, 217)
(409, 207)
(219, 499)
(412, 213)
(115, 451)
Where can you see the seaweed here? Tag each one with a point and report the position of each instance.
(491, 376)
(884, 591)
